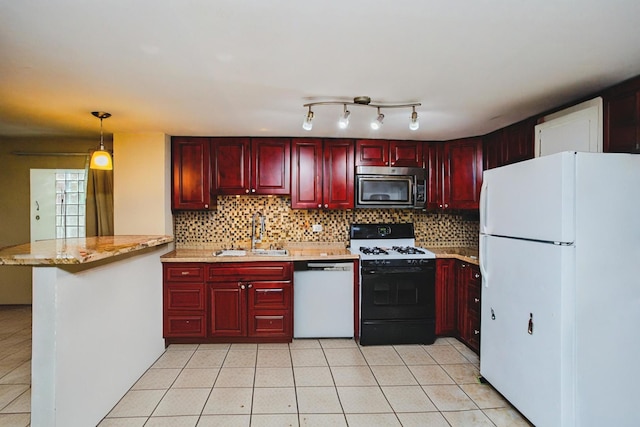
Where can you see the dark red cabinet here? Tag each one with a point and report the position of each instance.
(184, 301)
(468, 284)
(509, 145)
(455, 174)
(446, 297)
(252, 165)
(236, 301)
(251, 300)
(322, 174)
(622, 118)
(191, 177)
(380, 152)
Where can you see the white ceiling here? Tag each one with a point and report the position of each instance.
(240, 67)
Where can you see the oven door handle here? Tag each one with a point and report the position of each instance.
(388, 271)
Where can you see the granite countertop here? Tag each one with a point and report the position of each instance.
(468, 254)
(297, 252)
(77, 251)
(305, 251)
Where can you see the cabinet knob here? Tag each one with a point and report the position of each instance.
(249, 286)
(477, 276)
(253, 190)
(326, 205)
(206, 206)
(476, 332)
(393, 163)
(246, 191)
(476, 300)
(320, 205)
(440, 205)
(446, 205)
(241, 286)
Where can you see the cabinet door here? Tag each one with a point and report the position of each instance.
(622, 123)
(406, 153)
(463, 273)
(306, 174)
(462, 173)
(227, 309)
(269, 309)
(372, 152)
(445, 297)
(492, 146)
(191, 178)
(271, 165)
(519, 142)
(435, 174)
(232, 165)
(474, 286)
(338, 173)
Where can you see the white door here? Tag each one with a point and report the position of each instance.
(526, 346)
(43, 204)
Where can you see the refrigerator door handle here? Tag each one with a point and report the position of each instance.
(482, 255)
(530, 328)
(484, 190)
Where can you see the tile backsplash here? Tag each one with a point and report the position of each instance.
(229, 225)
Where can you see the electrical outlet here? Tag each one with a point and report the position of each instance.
(316, 228)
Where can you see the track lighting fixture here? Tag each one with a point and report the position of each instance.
(307, 125)
(101, 159)
(364, 101)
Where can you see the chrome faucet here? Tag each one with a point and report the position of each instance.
(255, 240)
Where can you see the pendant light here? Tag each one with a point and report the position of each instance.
(101, 159)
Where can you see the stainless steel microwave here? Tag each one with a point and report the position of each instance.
(390, 187)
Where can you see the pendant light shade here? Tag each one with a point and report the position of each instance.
(101, 158)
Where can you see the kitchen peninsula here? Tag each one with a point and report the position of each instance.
(97, 321)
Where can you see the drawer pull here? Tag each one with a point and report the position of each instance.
(477, 275)
(184, 273)
(476, 300)
(476, 332)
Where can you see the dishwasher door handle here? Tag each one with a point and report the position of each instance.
(326, 266)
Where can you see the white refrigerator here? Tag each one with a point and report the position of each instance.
(560, 262)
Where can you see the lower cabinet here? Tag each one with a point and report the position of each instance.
(239, 301)
(468, 285)
(458, 286)
(184, 300)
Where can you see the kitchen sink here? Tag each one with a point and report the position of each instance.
(270, 252)
(242, 252)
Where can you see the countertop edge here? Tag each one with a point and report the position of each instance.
(57, 252)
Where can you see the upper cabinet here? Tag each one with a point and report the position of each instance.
(622, 118)
(380, 152)
(509, 145)
(251, 165)
(455, 174)
(322, 173)
(191, 177)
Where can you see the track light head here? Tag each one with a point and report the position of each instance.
(414, 124)
(343, 123)
(307, 124)
(377, 123)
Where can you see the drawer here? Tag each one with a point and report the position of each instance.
(184, 326)
(270, 295)
(184, 296)
(240, 271)
(187, 272)
(272, 324)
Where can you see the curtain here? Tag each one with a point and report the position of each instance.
(99, 202)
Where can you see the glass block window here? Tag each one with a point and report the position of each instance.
(70, 203)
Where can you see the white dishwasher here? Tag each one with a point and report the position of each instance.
(323, 299)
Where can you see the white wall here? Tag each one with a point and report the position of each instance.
(96, 330)
(142, 183)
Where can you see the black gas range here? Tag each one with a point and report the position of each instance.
(397, 285)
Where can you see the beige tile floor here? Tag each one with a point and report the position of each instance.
(328, 382)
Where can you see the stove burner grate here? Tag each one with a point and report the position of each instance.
(373, 251)
(407, 250)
